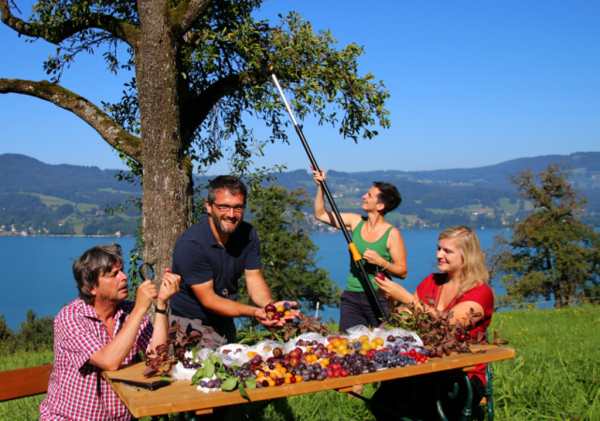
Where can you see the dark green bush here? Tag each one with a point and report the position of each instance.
(35, 333)
(5, 331)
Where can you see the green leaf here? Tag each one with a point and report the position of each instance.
(229, 384)
(251, 383)
(209, 368)
(168, 379)
(223, 375)
(243, 392)
(198, 376)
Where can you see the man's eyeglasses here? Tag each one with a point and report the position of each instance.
(227, 208)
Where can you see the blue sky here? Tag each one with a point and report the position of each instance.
(472, 83)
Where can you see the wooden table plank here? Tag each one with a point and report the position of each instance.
(182, 396)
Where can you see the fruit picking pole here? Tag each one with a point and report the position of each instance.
(355, 254)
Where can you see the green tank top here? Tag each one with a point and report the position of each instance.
(355, 279)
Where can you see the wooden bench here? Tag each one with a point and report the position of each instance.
(15, 384)
(24, 382)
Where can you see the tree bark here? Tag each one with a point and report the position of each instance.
(167, 173)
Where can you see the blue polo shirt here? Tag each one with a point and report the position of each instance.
(198, 258)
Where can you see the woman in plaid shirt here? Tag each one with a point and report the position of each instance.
(100, 331)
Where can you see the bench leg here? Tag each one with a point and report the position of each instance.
(467, 410)
(489, 392)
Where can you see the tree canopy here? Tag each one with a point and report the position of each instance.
(550, 254)
(199, 74)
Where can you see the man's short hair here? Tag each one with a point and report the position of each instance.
(226, 182)
(388, 195)
(92, 264)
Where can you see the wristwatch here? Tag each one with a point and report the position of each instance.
(159, 311)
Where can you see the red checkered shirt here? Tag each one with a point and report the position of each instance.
(76, 390)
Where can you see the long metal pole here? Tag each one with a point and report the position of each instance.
(355, 254)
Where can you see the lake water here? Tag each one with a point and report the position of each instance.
(37, 271)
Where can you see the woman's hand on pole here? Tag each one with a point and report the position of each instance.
(319, 176)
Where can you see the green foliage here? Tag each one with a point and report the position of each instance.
(35, 333)
(6, 334)
(550, 254)
(223, 58)
(287, 252)
(64, 210)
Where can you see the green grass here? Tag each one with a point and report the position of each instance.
(51, 200)
(26, 408)
(555, 375)
(440, 211)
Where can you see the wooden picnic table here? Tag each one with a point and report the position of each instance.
(181, 396)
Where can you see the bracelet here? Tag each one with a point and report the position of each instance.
(388, 265)
(159, 311)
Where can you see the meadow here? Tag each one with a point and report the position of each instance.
(553, 377)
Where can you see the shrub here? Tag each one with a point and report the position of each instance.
(35, 333)
(5, 331)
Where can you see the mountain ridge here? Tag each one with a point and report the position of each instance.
(481, 196)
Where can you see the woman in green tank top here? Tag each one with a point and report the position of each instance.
(379, 243)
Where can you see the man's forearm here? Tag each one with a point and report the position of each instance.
(161, 327)
(228, 308)
(112, 355)
(262, 298)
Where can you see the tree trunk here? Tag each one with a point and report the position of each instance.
(167, 174)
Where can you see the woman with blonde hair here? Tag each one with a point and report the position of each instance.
(461, 286)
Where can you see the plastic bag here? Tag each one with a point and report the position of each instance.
(179, 372)
(237, 352)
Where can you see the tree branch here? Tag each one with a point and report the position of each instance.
(198, 108)
(110, 131)
(124, 31)
(189, 12)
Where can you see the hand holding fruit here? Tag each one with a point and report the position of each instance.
(280, 312)
(391, 289)
(287, 308)
(261, 316)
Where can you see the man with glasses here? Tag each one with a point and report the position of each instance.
(210, 257)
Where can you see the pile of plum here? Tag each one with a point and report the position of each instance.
(317, 362)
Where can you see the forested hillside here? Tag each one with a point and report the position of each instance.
(69, 199)
(37, 198)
